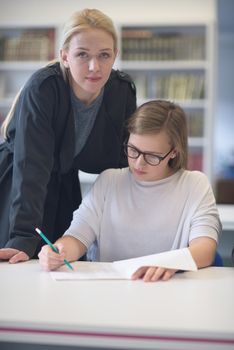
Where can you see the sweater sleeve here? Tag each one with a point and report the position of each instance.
(86, 223)
(205, 220)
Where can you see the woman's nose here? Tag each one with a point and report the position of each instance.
(94, 64)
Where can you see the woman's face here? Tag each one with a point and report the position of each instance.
(90, 58)
(156, 145)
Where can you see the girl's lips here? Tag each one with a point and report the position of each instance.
(139, 172)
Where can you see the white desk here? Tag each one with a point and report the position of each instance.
(194, 310)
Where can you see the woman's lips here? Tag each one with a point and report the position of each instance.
(93, 79)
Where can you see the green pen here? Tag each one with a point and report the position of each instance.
(52, 246)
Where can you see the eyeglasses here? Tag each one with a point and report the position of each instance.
(150, 158)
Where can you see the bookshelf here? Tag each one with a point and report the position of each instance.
(22, 51)
(170, 60)
(176, 62)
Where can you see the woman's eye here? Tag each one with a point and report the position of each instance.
(104, 55)
(83, 54)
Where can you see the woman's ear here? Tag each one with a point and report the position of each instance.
(63, 56)
(116, 53)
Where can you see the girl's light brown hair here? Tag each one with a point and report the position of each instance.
(160, 115)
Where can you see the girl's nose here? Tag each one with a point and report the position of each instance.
(94, 64)
(140, 161)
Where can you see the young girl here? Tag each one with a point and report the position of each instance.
(153, 206)
(70, 115)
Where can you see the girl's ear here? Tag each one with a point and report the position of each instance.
(174, 154)
(63, 56)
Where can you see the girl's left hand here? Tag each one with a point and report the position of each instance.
(153, 273)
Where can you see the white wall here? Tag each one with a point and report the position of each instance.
(35, 12)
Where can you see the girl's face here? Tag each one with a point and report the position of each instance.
(90, 58)
(156, 145)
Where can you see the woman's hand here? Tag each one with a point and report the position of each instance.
(153, 273)
(13, 255)
(50, 260)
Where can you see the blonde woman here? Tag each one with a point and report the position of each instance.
(154, 205)
(68, 116)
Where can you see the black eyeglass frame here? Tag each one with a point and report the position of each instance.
(145, 154)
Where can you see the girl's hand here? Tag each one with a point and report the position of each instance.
(153, 273)
(50, 260)
(13, 255)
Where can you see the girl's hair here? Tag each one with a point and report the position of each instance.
(80, 21)
(159, 115)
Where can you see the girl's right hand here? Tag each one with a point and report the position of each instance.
(50, 260)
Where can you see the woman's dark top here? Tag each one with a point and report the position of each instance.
(39, 182)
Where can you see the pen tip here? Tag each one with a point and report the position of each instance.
(37, 229)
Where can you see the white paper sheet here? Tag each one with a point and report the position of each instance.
(180, 259)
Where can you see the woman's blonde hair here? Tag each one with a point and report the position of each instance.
(77, 23)
(161, 115)
(81, 21)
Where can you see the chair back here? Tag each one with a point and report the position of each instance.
(218, 261)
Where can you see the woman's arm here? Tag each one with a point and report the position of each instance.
(34, 158)
(13, 255)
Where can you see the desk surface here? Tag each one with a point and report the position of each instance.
(191, 311)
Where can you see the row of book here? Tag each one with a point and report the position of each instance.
(30, 45)
(180, 86)
(145, 45)
(175, 86)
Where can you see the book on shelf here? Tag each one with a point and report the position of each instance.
(180, 86)
(172, 86)
(148, 44)
(29, 45)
